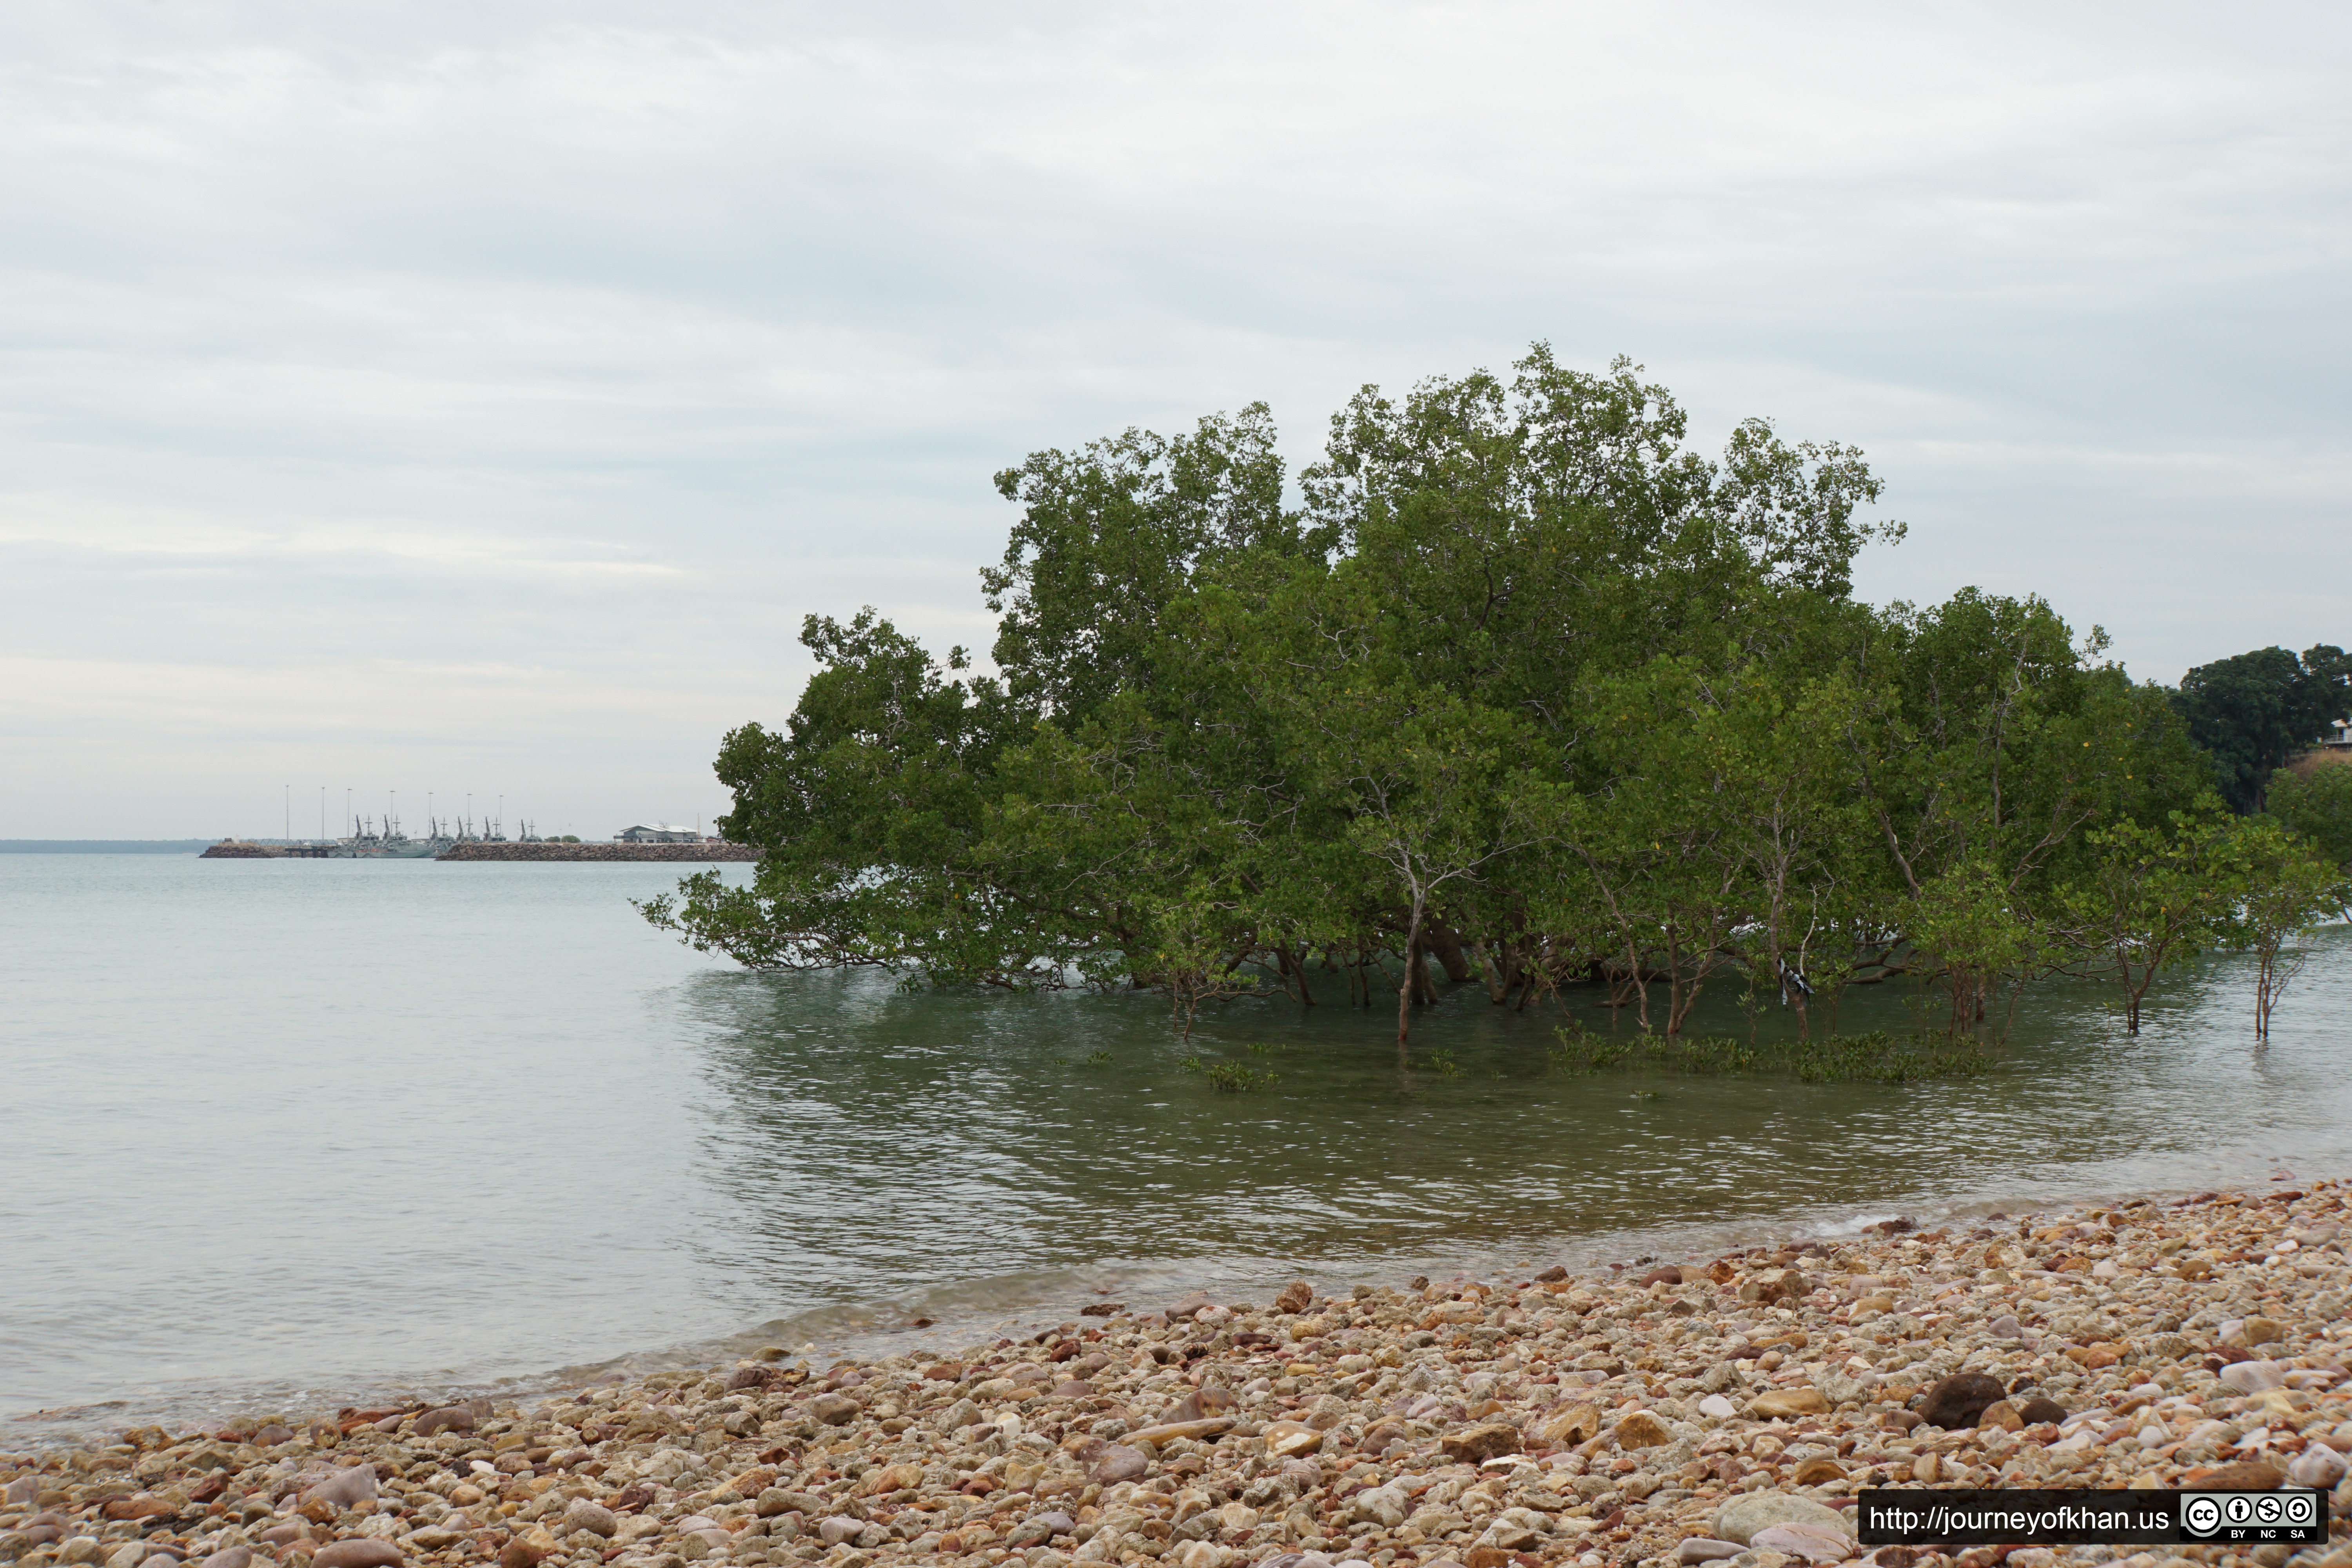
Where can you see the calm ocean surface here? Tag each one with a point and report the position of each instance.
(274, 1134)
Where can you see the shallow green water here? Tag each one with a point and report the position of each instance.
(275, 1133)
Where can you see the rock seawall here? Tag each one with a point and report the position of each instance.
(709, 850)
(1688, 1414)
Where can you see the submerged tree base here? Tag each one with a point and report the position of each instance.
(1878, 1056)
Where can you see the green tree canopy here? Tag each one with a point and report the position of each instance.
(2256, 710)
(1513, 684)
(2316, 805)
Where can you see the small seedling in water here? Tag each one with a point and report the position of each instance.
(1097, 1059)
(1442, 1064)
(1229, 1076)
(1260, 1050)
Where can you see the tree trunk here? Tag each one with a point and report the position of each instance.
(1636, 988)
(1446, 944)
(1405, 988)
(1294, 965)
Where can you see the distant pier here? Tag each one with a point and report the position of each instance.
(708, 850)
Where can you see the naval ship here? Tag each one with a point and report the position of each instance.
(367, 842)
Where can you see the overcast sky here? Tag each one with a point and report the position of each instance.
(474, 396)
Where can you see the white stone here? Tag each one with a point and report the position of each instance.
(2254, 1377)
(1742, 1517)
(2318, 1466)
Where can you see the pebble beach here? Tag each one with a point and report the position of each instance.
(1664, 1412)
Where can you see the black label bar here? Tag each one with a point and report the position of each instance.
(1920, 1516)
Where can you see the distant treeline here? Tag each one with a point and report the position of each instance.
(1512, 683)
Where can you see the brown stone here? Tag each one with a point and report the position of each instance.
(361, 1553)
(1213, 1400)
(587, 1515)
(345, 1489)
(1814, 1472)
(1665, 1274)
(2265, 1332)
(1120, 1463)
(1782, 1403)
(1957, 1401)
(889, 1478)
(1551, 1275)
(2245, 1476)
(1487, 1557)
(2001, 1413)
(834, 1409)
(1326, 1413)
(1477, 1445)
(1771, 1285)
(1294, 1298)
(1640, 1429)
(2040, 1411)
(140, 1507)
(1169, 1431)
(1578, 1423)
(1291, 1439)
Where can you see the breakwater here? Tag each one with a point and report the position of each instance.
(246, 849)
(707, 850)
(703, 853)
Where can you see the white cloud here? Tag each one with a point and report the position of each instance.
(368, 351)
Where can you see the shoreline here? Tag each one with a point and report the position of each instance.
(1615, 1418)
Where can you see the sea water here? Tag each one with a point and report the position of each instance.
(283, 1134)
